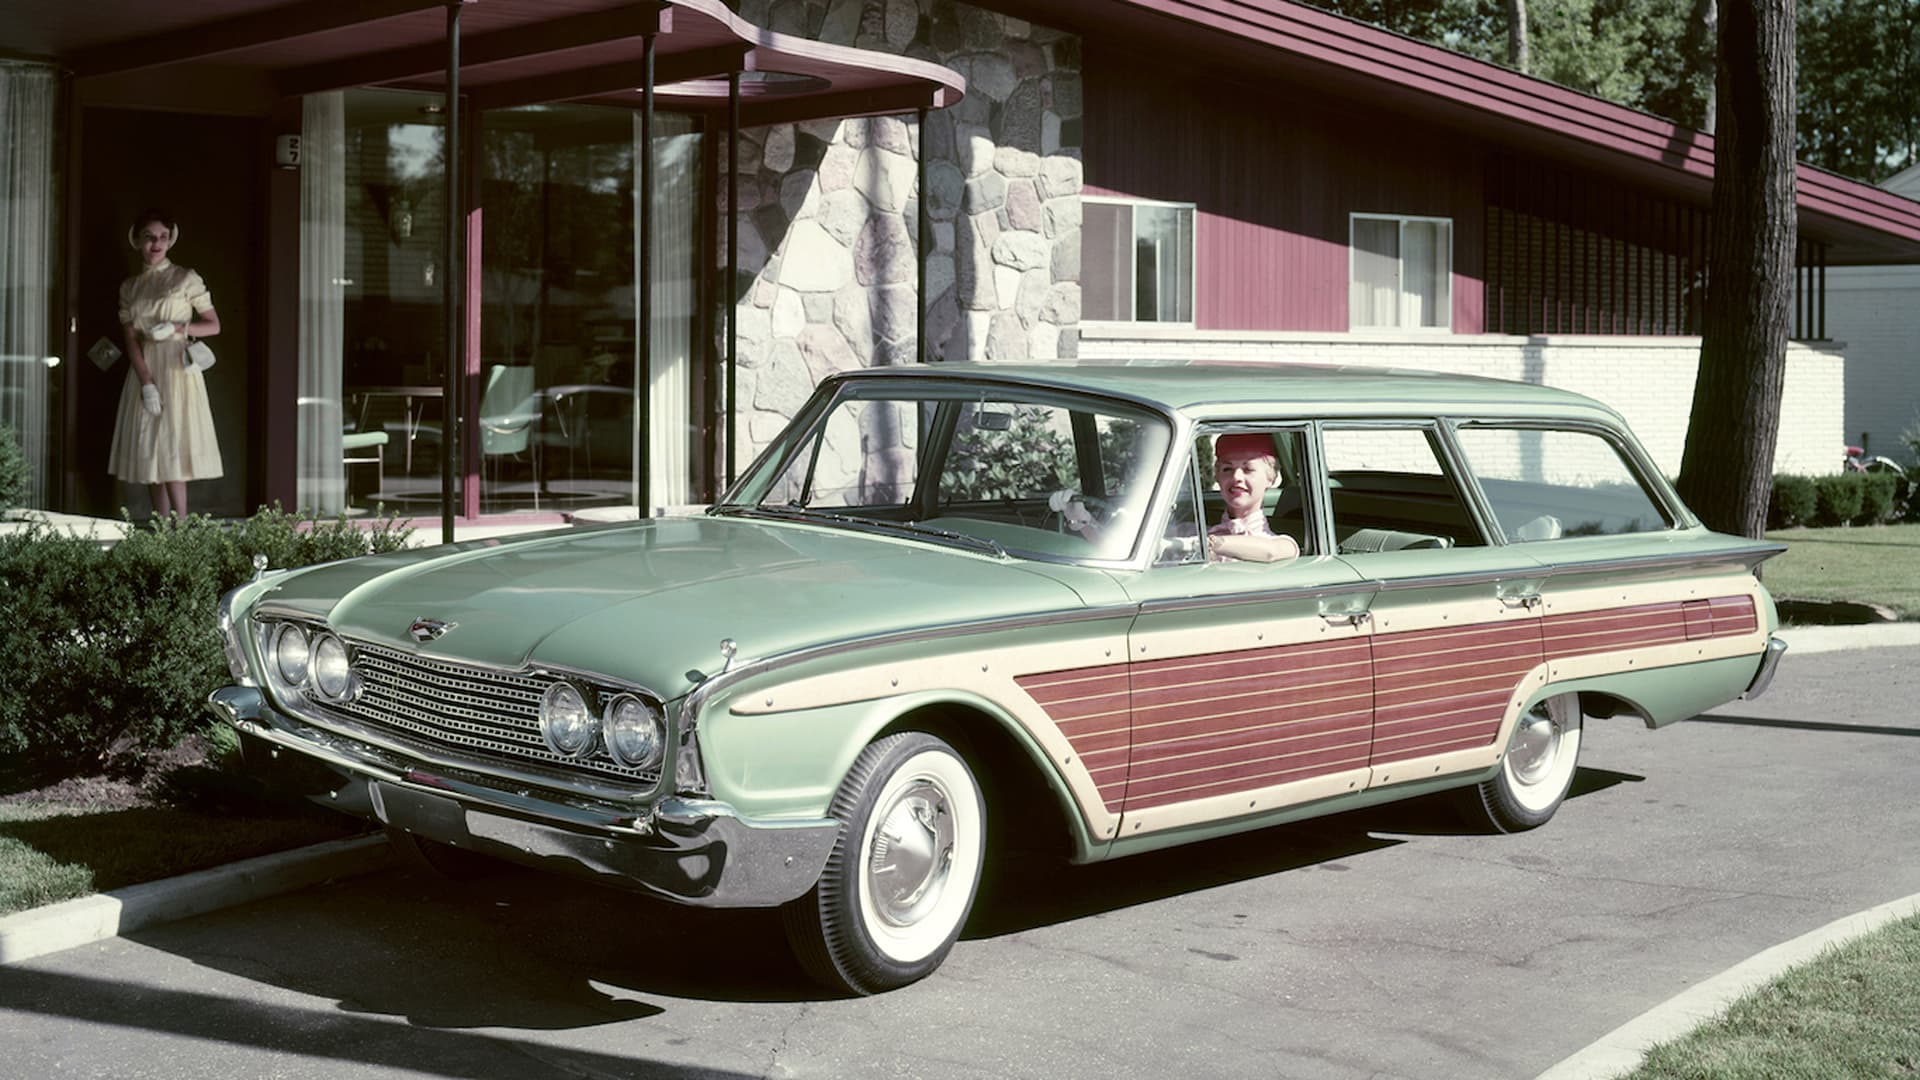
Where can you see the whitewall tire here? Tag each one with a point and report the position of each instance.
(1535, 771)
(902, 877)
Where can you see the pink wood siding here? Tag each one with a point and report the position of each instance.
(1274, 175)
(1442, 690)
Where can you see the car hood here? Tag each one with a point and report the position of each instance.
(650, 602)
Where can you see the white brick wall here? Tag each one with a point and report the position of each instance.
(1648, 380)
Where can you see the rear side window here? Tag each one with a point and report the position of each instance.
(1549, 485)
(1390, 490)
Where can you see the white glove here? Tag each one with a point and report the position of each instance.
(150, 399)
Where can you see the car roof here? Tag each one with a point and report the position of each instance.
(1208, 388)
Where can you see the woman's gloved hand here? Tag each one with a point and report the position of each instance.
(150, 399)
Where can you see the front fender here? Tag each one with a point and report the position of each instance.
(775, 765)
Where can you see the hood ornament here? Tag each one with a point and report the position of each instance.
(425, 629)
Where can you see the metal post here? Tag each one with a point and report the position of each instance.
(733, 250)
(920, 263)
(453, 279)
(643, 375)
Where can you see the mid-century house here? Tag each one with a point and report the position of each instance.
(672, 219)
(1874, 312)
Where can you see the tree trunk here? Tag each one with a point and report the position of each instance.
(1517, 34)
(1726, 470)
(1698, 49)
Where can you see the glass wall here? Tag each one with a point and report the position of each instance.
(28, 95)
(372, 363)
(558, 426)
(559, 349)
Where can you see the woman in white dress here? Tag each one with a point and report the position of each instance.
(163, 435)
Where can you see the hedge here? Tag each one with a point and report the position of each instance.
(106, 654)
(14, 475)
(1847, 498)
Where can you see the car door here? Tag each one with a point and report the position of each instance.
(1249, 681)
(1456, 632)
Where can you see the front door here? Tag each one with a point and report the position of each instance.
(204, 171)
(1250, 681)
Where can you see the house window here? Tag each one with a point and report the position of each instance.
(1402, 272)
(1136, 261)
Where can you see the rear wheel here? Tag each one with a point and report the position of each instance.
(1536, 770)
(902, 877)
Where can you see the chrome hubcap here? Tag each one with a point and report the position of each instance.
(912, 854)
(1535, 742)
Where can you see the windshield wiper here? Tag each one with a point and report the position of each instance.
(800, 513)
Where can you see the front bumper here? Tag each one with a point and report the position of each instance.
(691, 851)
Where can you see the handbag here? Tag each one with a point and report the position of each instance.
(199, 355)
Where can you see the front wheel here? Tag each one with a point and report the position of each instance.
(902, 876)
(1536, 770)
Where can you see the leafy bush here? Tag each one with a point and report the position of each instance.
(1878, 492)
(1839, 498)
(1793, 503)
(107, 653)
(14, 474)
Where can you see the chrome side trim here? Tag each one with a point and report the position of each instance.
(1769, 665)
(691, 705)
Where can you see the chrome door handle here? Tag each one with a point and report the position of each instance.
(1346, 618)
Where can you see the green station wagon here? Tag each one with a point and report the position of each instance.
(958, 609)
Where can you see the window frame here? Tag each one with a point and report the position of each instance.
(1446, 454)
(1445, 326)
(1652, 482)
(1133, 263)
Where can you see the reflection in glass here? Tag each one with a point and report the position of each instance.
(558, 319)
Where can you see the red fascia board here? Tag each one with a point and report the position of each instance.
(1447, 76)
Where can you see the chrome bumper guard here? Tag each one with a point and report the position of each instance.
(1769, 663)
(691, 851)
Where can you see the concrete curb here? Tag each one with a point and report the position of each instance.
(1621, 1050)
(42, 930)
(1805, 640)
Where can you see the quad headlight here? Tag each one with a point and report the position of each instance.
(635, 731)
(331, 668)
(291, 655)
(566, 722)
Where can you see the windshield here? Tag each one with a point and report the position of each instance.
(993, 467)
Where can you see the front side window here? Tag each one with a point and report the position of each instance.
(1391, 491)
(1032, 472)
(1136, 261)
(1402, 272)
(1546, 485)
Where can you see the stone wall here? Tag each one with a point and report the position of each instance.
(828, 210)
(1648, 380)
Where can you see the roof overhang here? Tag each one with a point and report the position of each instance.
(1266, 42)
(512, 52)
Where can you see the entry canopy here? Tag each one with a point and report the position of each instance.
(512, 53)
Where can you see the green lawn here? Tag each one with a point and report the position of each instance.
(52, 851)
(1852, 1012)
(1871, 564)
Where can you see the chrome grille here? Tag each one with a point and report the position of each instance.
(467, 708)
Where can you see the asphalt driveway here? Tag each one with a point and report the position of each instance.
(1382, 943)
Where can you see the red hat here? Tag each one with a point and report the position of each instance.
(1242, 445)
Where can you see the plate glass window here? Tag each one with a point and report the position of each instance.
(1547, 485)
(1136, 261)
(1402, 272)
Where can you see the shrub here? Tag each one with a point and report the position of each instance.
(1878, 491)
(107, 653)
(1793, 502)
(14, 474)
(1839, 497)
